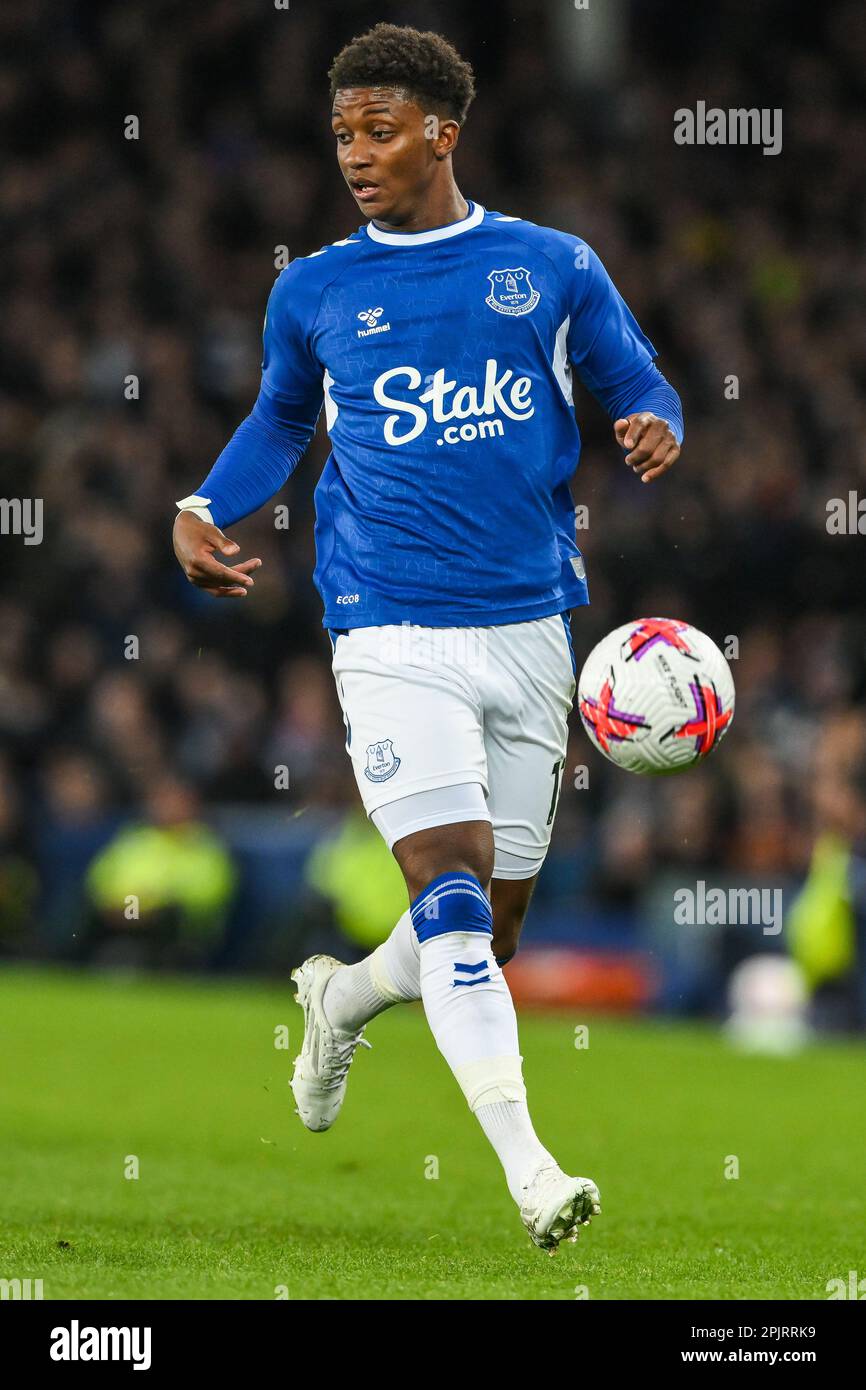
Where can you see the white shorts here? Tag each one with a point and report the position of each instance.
(481, 710)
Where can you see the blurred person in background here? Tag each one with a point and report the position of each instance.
(76, 820)
(161, 889)
(353, 871)
(826, 924)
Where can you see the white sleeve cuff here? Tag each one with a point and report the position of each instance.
(199, 505)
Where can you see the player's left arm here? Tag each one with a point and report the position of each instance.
(615, 360)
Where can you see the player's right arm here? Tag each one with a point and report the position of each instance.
(263, 450)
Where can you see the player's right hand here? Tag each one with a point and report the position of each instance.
(196, 545)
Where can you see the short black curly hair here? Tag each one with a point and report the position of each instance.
(423, 64)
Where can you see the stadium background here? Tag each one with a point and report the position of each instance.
(153, 258)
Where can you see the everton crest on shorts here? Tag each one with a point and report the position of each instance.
(382, 762)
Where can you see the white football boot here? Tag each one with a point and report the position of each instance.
(555, 1206)
(320, 1076)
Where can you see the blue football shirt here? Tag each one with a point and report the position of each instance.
(444, 362)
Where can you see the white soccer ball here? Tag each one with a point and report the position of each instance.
(656, 695)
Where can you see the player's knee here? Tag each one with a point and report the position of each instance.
(465, 848)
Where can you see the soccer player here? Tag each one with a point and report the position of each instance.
(442, 338)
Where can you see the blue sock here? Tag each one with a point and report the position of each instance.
(453, 902)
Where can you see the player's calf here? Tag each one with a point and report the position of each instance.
(510, 900)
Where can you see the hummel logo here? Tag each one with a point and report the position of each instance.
(371, 317)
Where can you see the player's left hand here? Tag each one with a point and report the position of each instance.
(651, 442)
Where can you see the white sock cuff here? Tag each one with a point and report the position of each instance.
(491, 1079)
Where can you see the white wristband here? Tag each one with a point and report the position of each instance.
(199, 505)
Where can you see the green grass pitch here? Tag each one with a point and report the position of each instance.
(235, 1200)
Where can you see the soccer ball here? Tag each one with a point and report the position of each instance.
(656, 696)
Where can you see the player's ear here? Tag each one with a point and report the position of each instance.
(446, 135)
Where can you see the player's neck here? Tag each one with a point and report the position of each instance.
(441, 208)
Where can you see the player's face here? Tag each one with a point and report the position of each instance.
(385, 148)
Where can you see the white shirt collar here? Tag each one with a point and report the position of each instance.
(475, 215)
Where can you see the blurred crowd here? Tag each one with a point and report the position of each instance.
(135, 274)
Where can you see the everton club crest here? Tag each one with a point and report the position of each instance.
(382, 761)
(511, 292)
